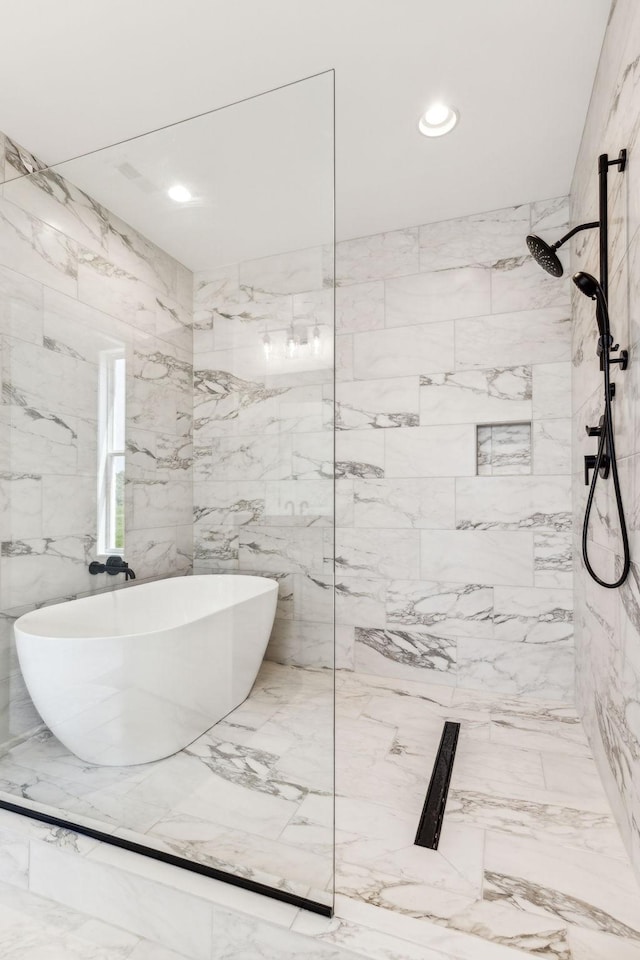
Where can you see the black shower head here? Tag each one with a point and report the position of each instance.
(586, 284)
(545, 255)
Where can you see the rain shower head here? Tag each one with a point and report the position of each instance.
(545, 255)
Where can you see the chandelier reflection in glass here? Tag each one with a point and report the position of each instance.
(294, 342)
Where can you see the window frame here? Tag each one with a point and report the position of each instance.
(111, 408)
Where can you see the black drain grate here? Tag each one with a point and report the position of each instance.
(430, 825)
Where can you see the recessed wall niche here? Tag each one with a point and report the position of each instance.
(503, 449)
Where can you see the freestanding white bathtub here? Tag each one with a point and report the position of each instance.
(137, 674)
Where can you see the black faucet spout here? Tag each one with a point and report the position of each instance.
(114, 565)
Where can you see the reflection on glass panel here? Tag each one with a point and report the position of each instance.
(111, 451)
(168, 399)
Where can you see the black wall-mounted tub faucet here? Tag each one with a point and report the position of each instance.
(114, 565)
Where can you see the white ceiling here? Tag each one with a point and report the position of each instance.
(82, 74)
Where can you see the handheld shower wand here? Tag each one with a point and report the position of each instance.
(605, 459)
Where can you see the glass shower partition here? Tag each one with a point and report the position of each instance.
(167, 335)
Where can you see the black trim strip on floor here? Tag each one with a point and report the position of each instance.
(312, 905)
(430, 825)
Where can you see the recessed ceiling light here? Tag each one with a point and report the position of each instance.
(437, 120)
(179, 193)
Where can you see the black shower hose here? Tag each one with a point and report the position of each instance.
(606, 440)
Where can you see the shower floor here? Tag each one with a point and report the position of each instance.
(530, 858)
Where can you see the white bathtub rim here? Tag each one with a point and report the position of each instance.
(40, 614)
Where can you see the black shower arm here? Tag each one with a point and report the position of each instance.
(567, 236)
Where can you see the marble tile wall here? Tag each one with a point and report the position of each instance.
(263, 438)
(608, 621)
(453, 542)
(441, 566)
(75, 280)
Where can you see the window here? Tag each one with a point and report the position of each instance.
(111, 430)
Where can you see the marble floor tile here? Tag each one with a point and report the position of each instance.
(530, 862)
(33, 928)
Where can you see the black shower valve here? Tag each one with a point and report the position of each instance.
(593, 431)
(589, 464)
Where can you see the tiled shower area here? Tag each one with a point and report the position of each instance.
(391, 428)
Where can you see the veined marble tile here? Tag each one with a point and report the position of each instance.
(594, 945)
(551, 390)
(550, 214)
(153, 363)
(377, 257)
(282, 550)
(552, 446)
(158, 503)
(452, 942)
(472, 396)
(377, 553)
(303, 644)
(401, 653)
(313, 598)
(478, 556)
(455, 609)
(480, 238)
(115, 290)
(513, 503)
(436, 451)
(137, 255)
(419, 503)
(111, 895)
(76, 330)
(533, 614)
(20, 506)
(18, 161)
(228, 404)
(403, 351)
(35, 377)
(49, 196)
(284, 273)
(152, 406)
(344, 502)
(300, 502)
(360, 306)
(215, 549)
(574, 776)
(553, 559)
(154, 551)
(480, 766)
(393, 402)
(561, 882)
(33, 248)
(68, 506)
(504, 449)
(21, 306)
(440, 295)
(35, 569)
(344, 357)
(174, 322)
(360, 601)
(253, 938)
(510, 339)
(244, 458)
(518, 283)
(312, 457)
(520, 669)
(210, 287)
